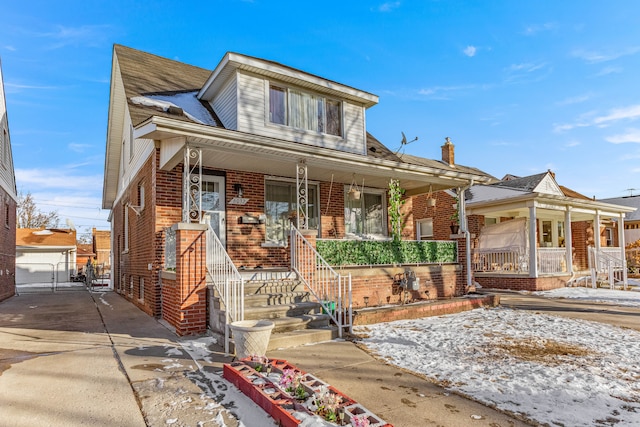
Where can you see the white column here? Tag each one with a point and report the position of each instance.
(596, 231)
(533, 250)
(568, 241)
(622, 247)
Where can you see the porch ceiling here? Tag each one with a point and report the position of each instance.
(224, 149)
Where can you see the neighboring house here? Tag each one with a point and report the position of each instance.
(45, 255)
(631, 221)
(84, 254)
(8, 203)
(101, 246)
(508, 216)
(246, 149)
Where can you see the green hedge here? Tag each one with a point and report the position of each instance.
(374, 252)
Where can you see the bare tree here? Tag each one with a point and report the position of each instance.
(29, 216)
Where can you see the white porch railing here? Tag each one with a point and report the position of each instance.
(607, 263)
(331, 289)
(500, 261)
(552, 260)
(227, 282)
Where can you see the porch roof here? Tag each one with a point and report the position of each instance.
(234, 150)
(496, 201)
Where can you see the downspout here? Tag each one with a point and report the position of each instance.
(462, 215)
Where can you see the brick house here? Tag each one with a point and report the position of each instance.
(245, 150)
(505, 216)
(8, 203)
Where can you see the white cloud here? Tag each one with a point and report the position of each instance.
(388, 6)
(58, 178)
(631, 135)
(527, 72)
(537, 28)
(596, 56)
(85, 35)
(574, 100)
(630, 113)
(78, 148)
(608, 70)
(470, 51)
(572, 143)
(442, 92)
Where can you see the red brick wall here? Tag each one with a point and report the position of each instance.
(581, 238)
(522, 283)
(7, 246)
(441, 213)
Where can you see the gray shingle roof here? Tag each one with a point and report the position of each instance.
(144, 73)
(630, 201)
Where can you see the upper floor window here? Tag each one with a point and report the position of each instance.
(304, 110)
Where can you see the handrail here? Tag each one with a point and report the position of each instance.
(332, 290)
(227, 281)
(606, 261)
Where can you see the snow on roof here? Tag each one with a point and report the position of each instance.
(177, 103)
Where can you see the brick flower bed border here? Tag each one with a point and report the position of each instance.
(279, 404)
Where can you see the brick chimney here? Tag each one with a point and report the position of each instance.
(447, 152)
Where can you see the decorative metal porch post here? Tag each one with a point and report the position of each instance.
(192, 185)
(302, 187)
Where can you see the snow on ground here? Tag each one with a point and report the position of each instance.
(627, 298)
(550, 369)
(553, 370)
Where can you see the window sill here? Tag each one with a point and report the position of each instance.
(274, 245)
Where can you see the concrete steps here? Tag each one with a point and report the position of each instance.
(278, 296)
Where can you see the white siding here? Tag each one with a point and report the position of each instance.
(224, 104)
(142, 149)
(252, 118)
(7, 177)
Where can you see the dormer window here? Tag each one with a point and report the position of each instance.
(304, 110)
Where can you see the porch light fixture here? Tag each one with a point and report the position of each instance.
(238, 189)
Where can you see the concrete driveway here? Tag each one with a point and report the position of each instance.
(626, 317)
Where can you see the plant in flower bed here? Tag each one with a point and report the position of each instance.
(325, 404)
(291, 382)
(260, 362)
(360, 421)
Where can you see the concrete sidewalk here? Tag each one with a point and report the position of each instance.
(77, 358)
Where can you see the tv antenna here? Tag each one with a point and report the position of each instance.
(404, 142)
(631, 190)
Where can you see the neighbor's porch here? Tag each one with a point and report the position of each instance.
(541, 244)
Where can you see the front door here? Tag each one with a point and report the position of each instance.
(213, 206)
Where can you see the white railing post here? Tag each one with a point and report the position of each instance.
(323, 282)
(227, 281)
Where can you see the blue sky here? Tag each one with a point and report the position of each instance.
(519, 86)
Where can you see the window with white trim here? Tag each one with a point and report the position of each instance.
(424, 229)
(126, 227)
(281, 205)
(305, 110)
(141, 195)
(365, 216)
